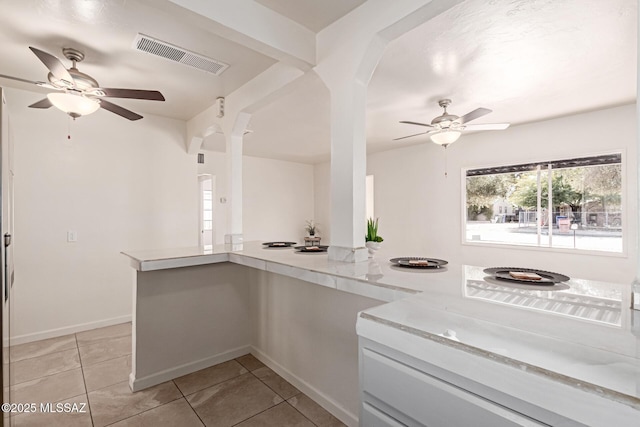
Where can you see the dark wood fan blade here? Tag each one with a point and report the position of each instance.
(411, 136)
(416, 123)
(477, 113)
(116, 109)
(488, 126)
(54, 65)
(43, 103)
(151, 95)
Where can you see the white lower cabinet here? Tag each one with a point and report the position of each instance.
(397, 394)
(372, 417)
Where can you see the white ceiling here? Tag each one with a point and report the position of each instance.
(526, 60)
(105, 30)
(312, 14)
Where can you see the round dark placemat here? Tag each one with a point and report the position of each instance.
(548, 277)
(404, 262)
(311, 251)
(279, 244)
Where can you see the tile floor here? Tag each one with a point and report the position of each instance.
(92, 368)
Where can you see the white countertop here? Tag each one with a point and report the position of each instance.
(580, 333)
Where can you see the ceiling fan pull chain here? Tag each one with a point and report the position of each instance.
(69, 128)
(445, 161)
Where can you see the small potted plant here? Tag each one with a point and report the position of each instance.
(372, 238)
(311, 227)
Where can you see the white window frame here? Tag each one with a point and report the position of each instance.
(625, 216)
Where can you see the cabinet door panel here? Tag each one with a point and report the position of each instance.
(429, 400)
(372, 417)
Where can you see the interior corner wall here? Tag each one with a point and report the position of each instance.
(420, 209)
(120, 185)
(277, 197)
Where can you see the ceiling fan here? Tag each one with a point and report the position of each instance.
(447, 128)
(79, 93)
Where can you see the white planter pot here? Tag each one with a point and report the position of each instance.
(372, 247)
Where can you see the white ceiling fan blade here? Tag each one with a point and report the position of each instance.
(41, 84)
(411, 136)
(488, 126)
(55, 66)
(416, 123)
(475, 114)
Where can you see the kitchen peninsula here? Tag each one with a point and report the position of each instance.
(568, 356)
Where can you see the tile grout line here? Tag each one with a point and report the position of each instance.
(46, 376)
(270, 388)
(106, 360)
(283, 399)
(102, 340)
(84, 381)
(298, 411)
(178, 387)
(45, 354)
(190, 405)
(146, 410)
(261, 412)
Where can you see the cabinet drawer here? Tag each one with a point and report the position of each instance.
(428, 401)
(372, 417)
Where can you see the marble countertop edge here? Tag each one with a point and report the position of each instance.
(155, 260)
(586, 386)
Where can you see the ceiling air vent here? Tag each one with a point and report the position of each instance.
(178, 54)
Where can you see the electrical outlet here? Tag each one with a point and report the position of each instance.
(72, 236)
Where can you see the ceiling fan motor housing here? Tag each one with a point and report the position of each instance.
(445, 120)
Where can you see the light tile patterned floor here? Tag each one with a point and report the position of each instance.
(92, 368)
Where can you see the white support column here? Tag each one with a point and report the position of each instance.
(348, 52)
(348, 171)
(234, 142)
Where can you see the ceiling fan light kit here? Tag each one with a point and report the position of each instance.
(447, 128)
(445, 137)
(74, 105)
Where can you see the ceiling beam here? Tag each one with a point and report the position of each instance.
(248, 98)
(255, 26)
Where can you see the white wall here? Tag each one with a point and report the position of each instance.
(322, 199)
(277, 197)
(307, 334)
(421, 211)
(120, 184)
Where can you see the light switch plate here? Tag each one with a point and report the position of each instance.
(72, 236)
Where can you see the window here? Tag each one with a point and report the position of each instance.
(369, 197)
(570, 204)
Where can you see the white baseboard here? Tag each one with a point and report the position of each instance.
(52, 333)
(320, 398)
(169, 374)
